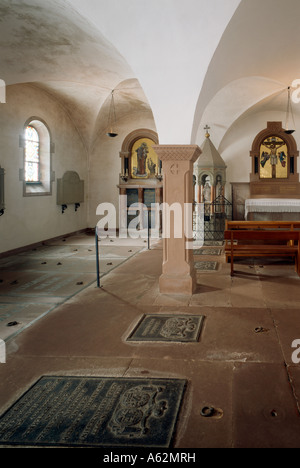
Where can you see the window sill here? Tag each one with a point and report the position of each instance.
(35, 188)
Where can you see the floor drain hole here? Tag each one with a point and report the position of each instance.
(12, 324)
(261, 330)
(207, 411)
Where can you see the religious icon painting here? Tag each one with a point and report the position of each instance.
(144, 160)
(273, 158)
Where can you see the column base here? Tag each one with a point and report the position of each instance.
(185, 285)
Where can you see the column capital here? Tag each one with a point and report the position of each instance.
(177, 152)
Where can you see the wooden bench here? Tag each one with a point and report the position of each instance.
(253, 225)
(258, 225)
(283, 245)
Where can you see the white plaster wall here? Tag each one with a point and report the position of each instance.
(105, 163)
(28, 220)
(236, 145)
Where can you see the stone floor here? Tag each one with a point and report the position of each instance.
(242, 364)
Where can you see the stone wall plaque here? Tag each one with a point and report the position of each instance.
(70, 189)
(94, 412)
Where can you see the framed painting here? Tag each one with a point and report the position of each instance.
(144, 160)
(273, 158)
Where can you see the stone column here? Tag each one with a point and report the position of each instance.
(178, 273)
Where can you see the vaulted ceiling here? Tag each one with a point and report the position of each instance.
(191, 62)
(255, 62)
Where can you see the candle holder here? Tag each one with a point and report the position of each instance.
(124, 177)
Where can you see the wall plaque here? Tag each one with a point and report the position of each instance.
(70, 189)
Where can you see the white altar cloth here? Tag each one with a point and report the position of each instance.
(271, 205)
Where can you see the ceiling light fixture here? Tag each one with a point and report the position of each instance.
(112, 118)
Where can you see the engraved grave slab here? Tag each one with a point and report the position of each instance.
(213, 243)
(206, 266)
(45, 284)
(24, 314)
(94, 412)
(207, 251)
(168, 328)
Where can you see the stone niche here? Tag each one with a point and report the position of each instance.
(70, 189)
(274, 156)
(140, 180)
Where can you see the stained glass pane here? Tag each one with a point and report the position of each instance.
(32, 156)
(32, 151)
(31, 172)
(31, 134)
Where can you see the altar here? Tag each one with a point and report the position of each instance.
(272, 209)
(273, 192)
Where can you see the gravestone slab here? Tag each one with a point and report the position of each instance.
(94, 412)
(47, 284)
(207, 251)
(48, 251)
(213, 243)
(168, 328)
(23, 314)
(206, 266)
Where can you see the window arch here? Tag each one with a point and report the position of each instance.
(37, 146)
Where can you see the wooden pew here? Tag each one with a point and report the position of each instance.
(281, 245)
(253, 225)
(258, 225)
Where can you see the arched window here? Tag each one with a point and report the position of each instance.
(37, 146)
(32, 155)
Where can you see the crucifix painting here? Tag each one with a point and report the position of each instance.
(273, 159)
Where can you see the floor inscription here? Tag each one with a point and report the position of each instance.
(168, 328)
(94, 412)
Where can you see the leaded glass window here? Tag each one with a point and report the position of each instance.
(32, 155)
